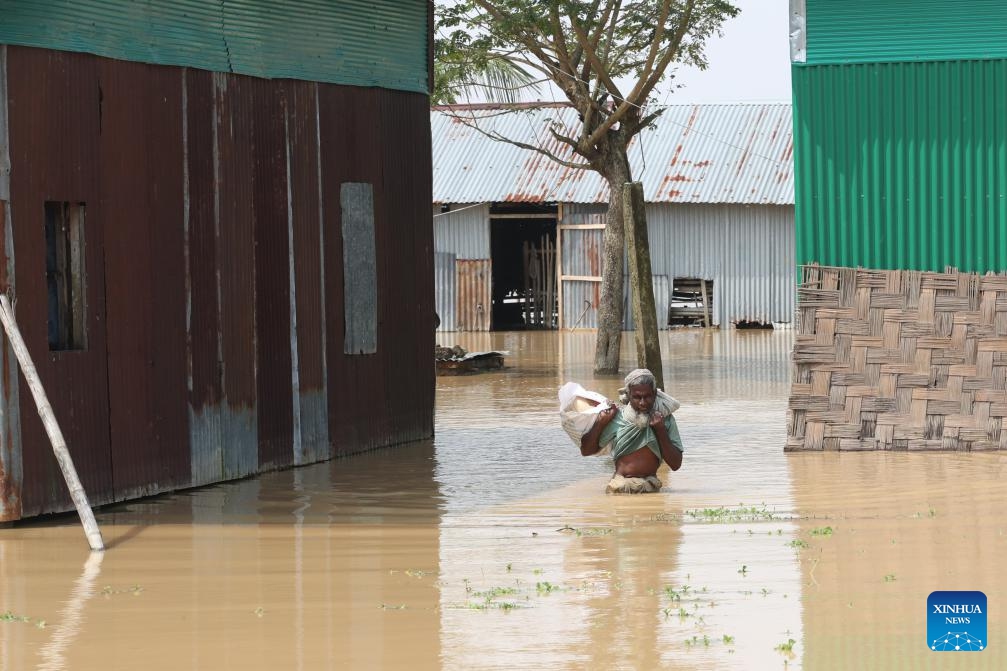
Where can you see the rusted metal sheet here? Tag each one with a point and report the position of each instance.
(202, 343)
(53, 149)
(205, 197)
(141, 117)
(408, 329)
(307, 275)
(11, 472)
(271, 253)
(386, 148)
(583, 250)
(473, 285)
(739, 153)
(351, 157)
(4, 155)
(235, 225)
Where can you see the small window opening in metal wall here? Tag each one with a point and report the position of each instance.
(360, 279)
(65, 275)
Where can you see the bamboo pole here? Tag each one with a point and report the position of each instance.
(51, 426)
(706, 305)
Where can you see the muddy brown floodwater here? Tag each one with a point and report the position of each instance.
(494, 547)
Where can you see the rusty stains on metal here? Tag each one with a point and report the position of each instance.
(473, 286)
(205, 199)
(715, 147)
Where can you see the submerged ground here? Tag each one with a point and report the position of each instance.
(494, 547)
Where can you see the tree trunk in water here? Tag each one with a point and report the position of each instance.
(648, 347)
(606, 353)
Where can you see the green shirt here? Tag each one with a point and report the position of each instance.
(627, 438)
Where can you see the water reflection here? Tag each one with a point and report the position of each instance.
(492, 546)
(899, 526)
(71, 615)
(630, 582)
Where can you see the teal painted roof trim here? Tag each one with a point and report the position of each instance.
(382, 43)
(879, 31)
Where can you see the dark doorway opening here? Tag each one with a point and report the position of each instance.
(523, 248)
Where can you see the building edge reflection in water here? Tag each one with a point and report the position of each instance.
(286, 570)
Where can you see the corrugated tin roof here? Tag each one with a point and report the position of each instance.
(738, 153)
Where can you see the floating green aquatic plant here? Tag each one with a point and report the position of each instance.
(786, 648)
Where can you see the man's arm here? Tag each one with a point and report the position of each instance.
(667, 438)
(589, 441)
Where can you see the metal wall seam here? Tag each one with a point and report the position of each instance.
(353, 42)
(902, 165)
(11, 469)
(4, 139)
(464, 232)
(324, 448)
(447, 297)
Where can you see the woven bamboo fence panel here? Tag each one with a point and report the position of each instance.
(899, 360)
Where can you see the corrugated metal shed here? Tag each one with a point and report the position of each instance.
(215, 288)
(464, 232)
(735, 153)
(357, 42)
(862, 31)
(747, 251)
(902, 165)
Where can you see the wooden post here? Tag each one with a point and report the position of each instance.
(706, 306)
(648, 348)
(559, 267)
(51, 427)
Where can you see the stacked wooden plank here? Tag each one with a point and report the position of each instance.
(899, 360)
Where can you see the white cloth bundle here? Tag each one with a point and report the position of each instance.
(578, 410)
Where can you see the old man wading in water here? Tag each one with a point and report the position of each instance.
(642, 433)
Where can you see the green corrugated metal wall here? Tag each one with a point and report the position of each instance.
(379, 43)
(902, 165)
(860, 31)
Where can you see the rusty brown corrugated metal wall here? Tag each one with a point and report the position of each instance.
(371, 402)
(213, 255)
(54, 116)
(139, 152)
(473, 282)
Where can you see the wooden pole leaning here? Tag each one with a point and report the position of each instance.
(51, 426)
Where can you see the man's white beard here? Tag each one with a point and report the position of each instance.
(638, 419)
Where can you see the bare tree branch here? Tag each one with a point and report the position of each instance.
(683, 27)
(592, 56)
(471, 121)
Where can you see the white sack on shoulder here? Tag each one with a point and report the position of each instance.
(578, 410)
